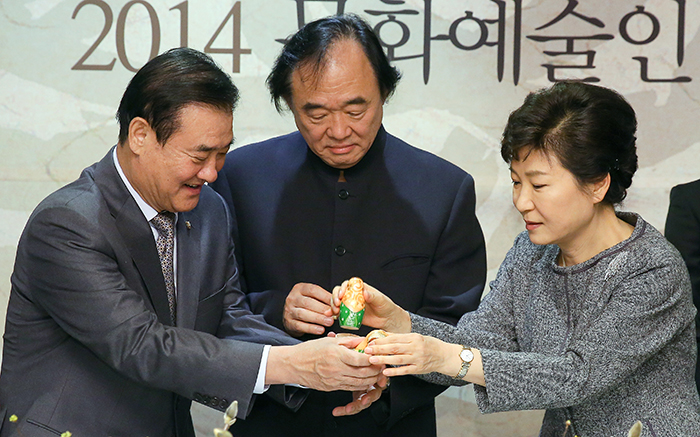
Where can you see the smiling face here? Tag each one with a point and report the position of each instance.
(338, 110)
(555, 207)
(170, 176)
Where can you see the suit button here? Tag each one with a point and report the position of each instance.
(340, 250)
(214, 402)
(343, 194)
(224, 404)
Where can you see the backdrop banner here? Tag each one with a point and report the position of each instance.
(466, 65)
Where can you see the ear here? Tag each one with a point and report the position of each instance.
(140, 135)
(600, 189)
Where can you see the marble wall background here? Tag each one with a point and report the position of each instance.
(55, 120)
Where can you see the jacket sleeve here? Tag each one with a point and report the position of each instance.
(238, 322)
(77, 279)
(647, 310)
(268, 303)
(458, 270)
(490, 325)
(454, 287)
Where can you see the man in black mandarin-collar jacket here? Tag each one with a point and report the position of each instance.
(343, 198)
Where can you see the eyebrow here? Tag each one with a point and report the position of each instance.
(311, 106)
(536, 173)
(531, 173)
(205, 148)
(356, 101)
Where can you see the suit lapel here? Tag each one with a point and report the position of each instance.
(136, 233)
(188, 253)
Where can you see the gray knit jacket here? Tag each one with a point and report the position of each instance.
(603, 343)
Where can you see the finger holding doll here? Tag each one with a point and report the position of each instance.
(379, 310)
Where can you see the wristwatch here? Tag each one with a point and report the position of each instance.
(466, 355)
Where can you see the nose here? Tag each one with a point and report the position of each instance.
(522, 200)
(339, 128)
(209, 172)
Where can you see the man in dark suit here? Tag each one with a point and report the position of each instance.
(683, 231)
(125, 278)
(339, 198)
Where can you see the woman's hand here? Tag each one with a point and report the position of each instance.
(416, 354)
(380, 311)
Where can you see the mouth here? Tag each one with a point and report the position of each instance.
(531, 226)
(194, 187)
(341, 149)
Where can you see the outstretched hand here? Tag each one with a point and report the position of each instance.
(413, 354)
(325, 364)
(380, 311)
(364, 398)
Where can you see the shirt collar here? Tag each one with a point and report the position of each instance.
(371, 158)
(145, 208)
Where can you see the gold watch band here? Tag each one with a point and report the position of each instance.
(466, 355)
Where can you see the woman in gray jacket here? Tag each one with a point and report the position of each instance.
(590, 316)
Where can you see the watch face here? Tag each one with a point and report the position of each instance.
(466, 355)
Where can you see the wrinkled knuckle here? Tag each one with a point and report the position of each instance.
(289, 311)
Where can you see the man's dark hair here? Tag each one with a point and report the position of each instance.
(589, 129)
(168, 83)
(309, 46)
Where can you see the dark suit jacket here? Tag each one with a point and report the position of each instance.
(404, 222)
(87, 348)
(683, 231)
